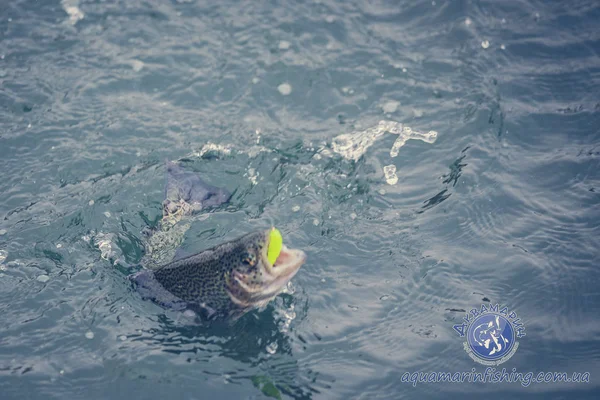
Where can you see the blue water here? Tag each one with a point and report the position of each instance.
(501, 208)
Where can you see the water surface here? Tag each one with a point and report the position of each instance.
(492, 196)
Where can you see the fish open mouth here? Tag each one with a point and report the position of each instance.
(288, 260)
(287, 263)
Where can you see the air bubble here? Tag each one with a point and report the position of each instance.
(285, 89)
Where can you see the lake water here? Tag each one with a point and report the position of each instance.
(428, 156)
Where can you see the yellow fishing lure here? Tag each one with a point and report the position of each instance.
(275, 245)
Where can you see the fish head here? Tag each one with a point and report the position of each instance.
(251, 279)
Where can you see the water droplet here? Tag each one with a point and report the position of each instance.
(91, 202)
(296, 208)
(43, 278)
(272, 348)
(485, 44)
(3, 255)
(75, 14)
(62, 372)
(323, 280)
(285, 89)
(390, 174)
(502, 47)
(89, 335)
(404, 70)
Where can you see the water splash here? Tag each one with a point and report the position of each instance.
(353, 145)
(212, 148)
(406, 134)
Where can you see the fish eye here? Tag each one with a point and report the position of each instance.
(249, 258)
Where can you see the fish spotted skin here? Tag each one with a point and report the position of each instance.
(225, 281)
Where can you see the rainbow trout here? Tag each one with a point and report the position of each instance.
(225, 281)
